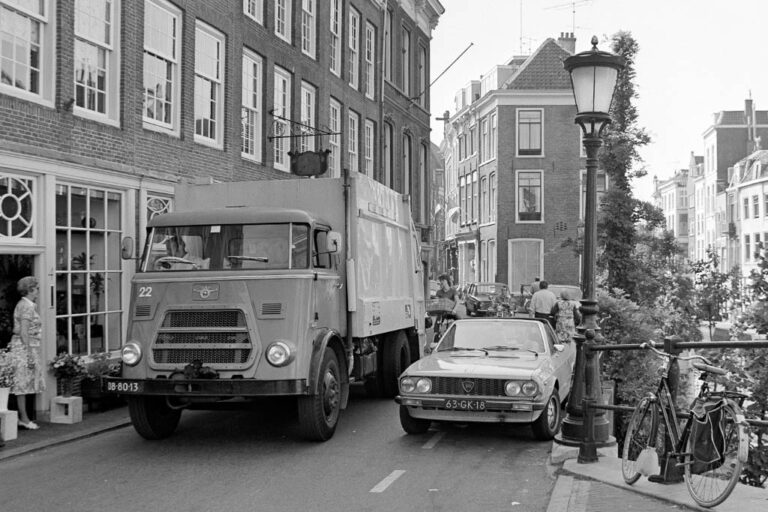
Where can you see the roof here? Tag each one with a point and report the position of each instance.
(728, 117)
(235, 215)
(542, 70)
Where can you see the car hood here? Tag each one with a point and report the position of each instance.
(447, 364)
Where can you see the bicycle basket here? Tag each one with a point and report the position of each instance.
(441, 305)
(707, 436)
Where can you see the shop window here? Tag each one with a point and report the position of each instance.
(17, 206)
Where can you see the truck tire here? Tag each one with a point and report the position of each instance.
(319, 413)
(397, 357)
(151, 416)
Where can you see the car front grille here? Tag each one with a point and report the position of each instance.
(217, 338)
(459, 386)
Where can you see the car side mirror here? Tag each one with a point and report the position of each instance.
(559, 347)
(333, 242)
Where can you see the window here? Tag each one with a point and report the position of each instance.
(756, 207)
(354, 141)
(283, 19)
(529, 204)
(17, 222)
(96, 64)
(388, 155)
(209, 86)
(423, 186)
(370, 137)
(746, 208)
(307, 141)
(484, 140)
(475, 198)
(473, 140)
(492, 185)
(370, 56)
(28, 46)
(493, 137)
(602, 186)
(747, 248)
(251, 106)
(422, 92)
(308, 27)
(254, 9)
(484, 214)
(388, 45)
(335, 37)
(282, 116)
(334, 141)
(757, 244)
(492, 260)
(354, 48)
(407, 170)
(765, 205)
(162, 57)
(406, 62)
(462, 200)
(529, 133)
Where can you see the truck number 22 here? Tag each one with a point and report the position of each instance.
(145, 291)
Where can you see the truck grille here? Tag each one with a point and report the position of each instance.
(218, 338)
(480, 387)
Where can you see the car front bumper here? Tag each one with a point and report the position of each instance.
(497, 410)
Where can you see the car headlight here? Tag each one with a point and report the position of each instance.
(415, 385)
(423, 385)
(530, 388)
(279, 353)
(131, 353)
(407, 385)
(512, 388)
(525, 388)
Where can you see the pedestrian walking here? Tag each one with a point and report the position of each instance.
(567, 316)
(25, 348)
(542, 303)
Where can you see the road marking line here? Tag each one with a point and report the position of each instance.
(382, 486)
(432, 442)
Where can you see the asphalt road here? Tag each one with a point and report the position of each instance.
(252, 461)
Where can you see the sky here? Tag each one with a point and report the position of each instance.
(696, 58)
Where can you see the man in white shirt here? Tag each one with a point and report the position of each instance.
(542, 302)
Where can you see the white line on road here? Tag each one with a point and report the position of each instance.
(432, 442)
(382, 486)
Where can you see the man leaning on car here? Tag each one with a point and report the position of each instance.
(542, 302)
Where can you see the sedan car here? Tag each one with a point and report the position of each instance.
(508, 370)
(479, 297)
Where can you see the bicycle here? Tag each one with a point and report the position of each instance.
(712, 459)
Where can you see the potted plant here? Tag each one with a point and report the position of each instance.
(7, 372)
(91, 386)
(69, 370)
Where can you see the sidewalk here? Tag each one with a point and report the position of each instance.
(599, 487)
(51, 434)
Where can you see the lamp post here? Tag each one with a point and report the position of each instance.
(593, 78)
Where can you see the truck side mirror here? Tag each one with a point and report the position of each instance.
(126, 248)
(333, 242)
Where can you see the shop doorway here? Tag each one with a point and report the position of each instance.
(12, 268)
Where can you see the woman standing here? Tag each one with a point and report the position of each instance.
(567, 317)
(25, 346)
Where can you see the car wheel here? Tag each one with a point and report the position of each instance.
(412, 425)
(547, 425)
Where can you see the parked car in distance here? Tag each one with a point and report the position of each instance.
(479, 297)
(492, 370)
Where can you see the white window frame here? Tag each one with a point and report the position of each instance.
(46, 23)
(518, 173)
(254, 9)
(334, 140)
(422, 92)
(370, 57)
(353, 131)
(215, 79)
(354, 48)
(406, 61)
(173, 60)
(282, 108)
(540, 154)
(389, 136)
(407, 165)
(308, 116)
(252, 101)
(308, 27)
(388, 45)
(111, 71)
(494, 135)
(370, 143)
(283, 27)
(335, 37)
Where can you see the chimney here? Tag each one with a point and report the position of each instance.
(567, 41)
(748, 114)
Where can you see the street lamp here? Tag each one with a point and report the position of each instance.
(593, 79)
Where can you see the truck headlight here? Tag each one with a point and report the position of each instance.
(131, 353)
(279, 353)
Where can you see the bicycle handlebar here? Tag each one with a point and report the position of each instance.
(651, 345)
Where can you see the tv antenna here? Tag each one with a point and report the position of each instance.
(572, 4)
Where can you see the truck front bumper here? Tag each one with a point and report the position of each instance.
(204, 387)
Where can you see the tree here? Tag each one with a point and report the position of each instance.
(712, 288)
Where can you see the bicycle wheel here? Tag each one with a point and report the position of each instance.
(711, 486)
(640, 435)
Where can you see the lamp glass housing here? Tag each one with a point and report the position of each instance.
(593, 88)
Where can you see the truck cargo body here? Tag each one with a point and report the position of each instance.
(268, 288)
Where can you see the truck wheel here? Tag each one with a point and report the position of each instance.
(319, 413)
(412, 425)
(397, 357)
(151, 416)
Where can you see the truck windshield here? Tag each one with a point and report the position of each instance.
(227, 247)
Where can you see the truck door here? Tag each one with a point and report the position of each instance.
(329, 292)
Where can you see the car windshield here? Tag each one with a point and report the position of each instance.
(493, 335)
(488, 288)
(227, 247)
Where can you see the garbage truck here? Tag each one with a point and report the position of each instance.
(289, 288)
